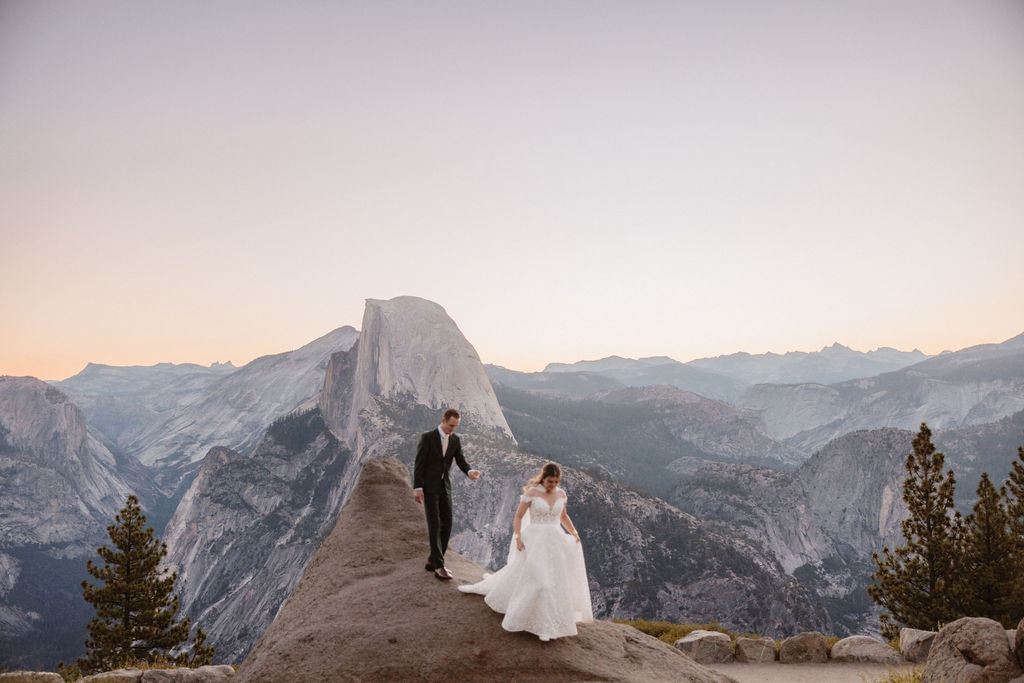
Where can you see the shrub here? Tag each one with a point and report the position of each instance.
(901, 675)
(669, 632)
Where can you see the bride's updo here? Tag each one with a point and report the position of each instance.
(549, 470)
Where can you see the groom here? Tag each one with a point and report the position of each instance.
(433, 488)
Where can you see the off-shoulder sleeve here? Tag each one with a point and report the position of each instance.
(562, 493)
(525, 498)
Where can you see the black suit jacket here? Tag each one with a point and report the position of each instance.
(430, 472)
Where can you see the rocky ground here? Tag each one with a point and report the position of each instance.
(365, 609)
(833, 672)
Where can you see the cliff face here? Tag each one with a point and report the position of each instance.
(977, 385)
(411, 351)
(235, 411)
(649, 437)
(822, 522)
(48, 455)
(122, 404)
(170, 416)
(366, 610)
(59, 488)
(248, 526)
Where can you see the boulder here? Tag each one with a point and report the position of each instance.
(914, 644)
(804, 647)
(755, 649)
(971, 649)
(1018, 643)
(30, 677)
(706, 647)
(864, 649)
(364, 610)
(202, 674)
(117, 676)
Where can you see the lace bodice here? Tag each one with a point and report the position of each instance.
(541, 512)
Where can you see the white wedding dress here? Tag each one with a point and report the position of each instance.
(543, 588)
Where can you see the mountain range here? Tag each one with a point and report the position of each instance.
(723, 377)
(694, 506)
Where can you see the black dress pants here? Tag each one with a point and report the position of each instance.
(438, 507)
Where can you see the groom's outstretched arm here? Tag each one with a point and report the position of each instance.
(460, 460)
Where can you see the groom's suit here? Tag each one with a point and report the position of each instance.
(430, 473)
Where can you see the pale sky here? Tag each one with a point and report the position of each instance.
(199, 181)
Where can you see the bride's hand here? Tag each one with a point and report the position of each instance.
(519, 543)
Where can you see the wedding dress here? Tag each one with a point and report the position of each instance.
(543, 588)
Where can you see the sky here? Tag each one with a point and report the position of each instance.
(197, 181)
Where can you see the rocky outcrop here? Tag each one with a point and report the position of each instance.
(411, 350)
(172, 416)
(247, 527)
(864, 649)
(366, 610)
(971, 649)
(236, 410)
(768, 506)
(650, 437)
(706, 647)
(915, 644)
(122, 404)
(46, 447)
(59, 489)
(855, 490)
(30, 677)
(822, 522)
(1018, 643)
(803, 647)
(202, 674)
(755, 649)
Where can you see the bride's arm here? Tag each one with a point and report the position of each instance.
(517, 523)
(567, 523)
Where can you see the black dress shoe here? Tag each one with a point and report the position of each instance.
(429, 567)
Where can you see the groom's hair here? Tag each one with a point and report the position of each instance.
(450, 413)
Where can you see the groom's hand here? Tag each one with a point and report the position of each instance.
(474, 475)
(418, 495)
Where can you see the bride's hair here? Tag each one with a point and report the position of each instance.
(549, 470)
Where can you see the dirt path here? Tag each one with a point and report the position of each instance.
(832, 672)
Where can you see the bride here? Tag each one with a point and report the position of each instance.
(543, 586)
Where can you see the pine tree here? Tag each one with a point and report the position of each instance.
(1015, 514)
(989, 556)
(919, 583)
(134, 606)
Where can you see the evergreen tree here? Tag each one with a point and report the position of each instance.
(1015, 514)
(134, 606)
(989, 557)
(919, 583)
